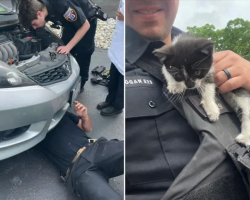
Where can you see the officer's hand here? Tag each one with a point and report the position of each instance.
(119, 15)
(81, 110)
(63, 50)
(238, 67)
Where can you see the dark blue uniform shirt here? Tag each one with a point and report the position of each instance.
(71, 13)
(64, 141)
(159, 141)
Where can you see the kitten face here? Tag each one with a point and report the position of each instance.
(188, 60)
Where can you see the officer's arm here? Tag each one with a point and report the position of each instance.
(85, 124)
(79, 35)
(77, 20)
(85, 121)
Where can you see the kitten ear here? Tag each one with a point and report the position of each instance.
(158, 53)
(163, 54)
(207, 48)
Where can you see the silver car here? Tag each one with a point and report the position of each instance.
(37, 85)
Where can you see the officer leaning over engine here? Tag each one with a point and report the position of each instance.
(78, 19)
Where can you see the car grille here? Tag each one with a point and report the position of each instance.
(51, 76)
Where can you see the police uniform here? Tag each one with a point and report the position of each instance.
(93, 168)
(159, 141)
(72, 14)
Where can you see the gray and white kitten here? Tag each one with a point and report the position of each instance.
(188, 64)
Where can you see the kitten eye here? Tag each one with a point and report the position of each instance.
(179, 75)
(197, 73)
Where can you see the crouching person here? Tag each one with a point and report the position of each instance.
(86, 165)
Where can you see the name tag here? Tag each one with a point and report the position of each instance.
(139, 81)
(135, 81)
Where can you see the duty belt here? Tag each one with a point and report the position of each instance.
(79, 152)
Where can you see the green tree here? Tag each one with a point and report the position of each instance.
(235, 36)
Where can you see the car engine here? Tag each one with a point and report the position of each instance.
(21, 50)
(18, 45)
(8, 50)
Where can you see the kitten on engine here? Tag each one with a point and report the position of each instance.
(188, 64)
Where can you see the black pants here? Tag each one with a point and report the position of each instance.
(96, 165)
(84, 49)
(91, 173)
(116, 88)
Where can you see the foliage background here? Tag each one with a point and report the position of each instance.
(235, 36)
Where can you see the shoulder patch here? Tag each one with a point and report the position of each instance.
(70, 15)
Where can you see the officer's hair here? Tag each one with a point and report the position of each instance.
(28, 11)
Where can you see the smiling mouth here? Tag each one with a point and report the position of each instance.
(147, 12)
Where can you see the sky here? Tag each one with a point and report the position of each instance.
(216, 12)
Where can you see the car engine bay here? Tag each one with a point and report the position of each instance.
(34, 56)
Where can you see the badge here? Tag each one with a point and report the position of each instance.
(70, 15)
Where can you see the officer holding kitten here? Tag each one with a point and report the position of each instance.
(161, 146)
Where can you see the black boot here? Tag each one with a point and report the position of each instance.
(103, 105)
(81, 90)
(109, 111)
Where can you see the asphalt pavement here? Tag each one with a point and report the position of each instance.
(30, 176)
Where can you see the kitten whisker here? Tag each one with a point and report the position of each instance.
(163, 92)
(170, 98)
(199, 90)
(178, 97)
(182, 96)
(173, 71)
(198, 63)
(175, 97)
(202, 89)
(202, 68)
(217, 96)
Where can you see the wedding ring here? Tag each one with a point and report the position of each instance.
(227, 73)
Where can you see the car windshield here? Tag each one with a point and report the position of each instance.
(4, 10)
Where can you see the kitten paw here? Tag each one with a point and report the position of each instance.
(213, 116)
(212, 110)
(175, 89)
(243, 139)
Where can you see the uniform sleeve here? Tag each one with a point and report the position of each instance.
(73, 13)
(73, 117)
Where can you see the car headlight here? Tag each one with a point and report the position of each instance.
(11, 77)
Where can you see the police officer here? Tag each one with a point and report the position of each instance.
(94, 163)
(77, 18)
(159, 141)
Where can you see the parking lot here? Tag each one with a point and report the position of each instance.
(30, 175)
